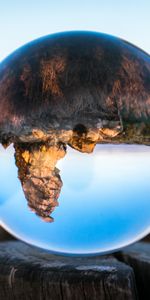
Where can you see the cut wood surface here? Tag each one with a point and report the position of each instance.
(30, 273)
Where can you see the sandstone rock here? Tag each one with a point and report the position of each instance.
(40, 178)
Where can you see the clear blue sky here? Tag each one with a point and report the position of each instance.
(23, 21)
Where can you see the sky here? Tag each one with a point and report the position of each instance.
(23, 21)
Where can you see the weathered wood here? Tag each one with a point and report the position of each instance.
(138, 257)
(30, 273)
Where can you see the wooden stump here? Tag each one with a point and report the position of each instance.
(138, 257)
(30, 273)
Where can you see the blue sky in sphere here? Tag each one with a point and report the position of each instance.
(23, 21)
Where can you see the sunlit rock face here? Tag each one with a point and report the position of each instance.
(40, 178)
(76, 89)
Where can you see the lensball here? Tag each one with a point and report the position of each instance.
(75, 131)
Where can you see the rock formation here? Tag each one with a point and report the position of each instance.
(76, 89)
(39, 177)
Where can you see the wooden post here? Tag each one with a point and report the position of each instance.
(30, 273)
(138, 257)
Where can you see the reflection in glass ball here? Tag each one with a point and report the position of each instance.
(104, 202)
(76, 107)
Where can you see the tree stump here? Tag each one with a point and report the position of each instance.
(138, 257)
(27, 272)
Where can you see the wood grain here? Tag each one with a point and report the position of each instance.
(30, 273)
(138, 257)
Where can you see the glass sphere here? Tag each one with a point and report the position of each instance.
(104, 202)
(76, 107)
